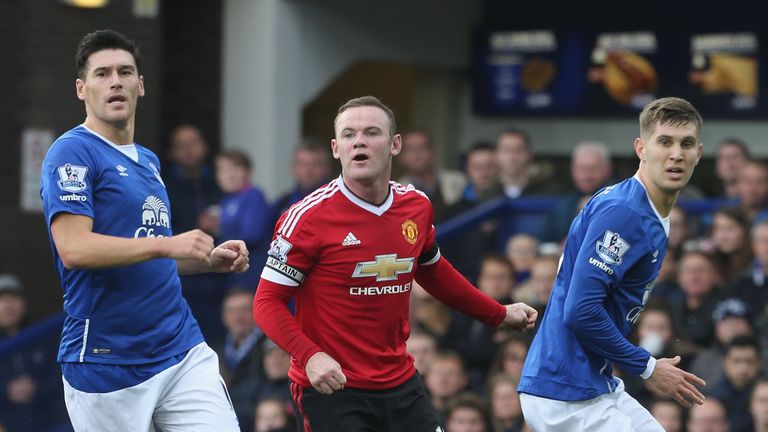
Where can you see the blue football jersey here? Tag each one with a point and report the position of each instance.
(611, 259)
(127, 315)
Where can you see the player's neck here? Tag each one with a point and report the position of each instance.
(116, 133)
(662, 201)
(374, 192)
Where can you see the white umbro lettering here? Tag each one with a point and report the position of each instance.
(122, 170)
(350, 240)
(73, 197)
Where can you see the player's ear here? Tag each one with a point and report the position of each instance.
(141, 85)
(640, 148)
(700, 152)
(397, 145)
(80, 89)
(335, 149)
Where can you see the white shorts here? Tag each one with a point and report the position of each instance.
(189, 396)
(611, 412)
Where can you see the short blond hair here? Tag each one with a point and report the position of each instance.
(370, 101)
(671, 111)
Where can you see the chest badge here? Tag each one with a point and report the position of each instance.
(410, 231)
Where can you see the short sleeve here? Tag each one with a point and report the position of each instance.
(67, 180)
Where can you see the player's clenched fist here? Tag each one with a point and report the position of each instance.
(325, 373)
(520, 317)
(194, 244)
(232, 255)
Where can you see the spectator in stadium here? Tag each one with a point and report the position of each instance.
(522, 250)
(189, 179)
(506, 413)
(475, 342)
(750, 285)
(272, 416)
(430, 316)
(311, 168)
(752, 190)
(758, 405)
(349, 366)
(514, 156)
(194, 199)
(443, 187)
(656, 334)
(244, 214)
(445, 378)
(29, 380)
(591, 169)
(732, 319)
(422, 347)
(669, 414)
(466, 249)
(274, 383)
(466, 412)
(708, 417)
(741, 364)
(241, 353)
(13, 306)
(510, 357)
(130, 344)
(730, 242)
(698, 280)
(536, 290)
(731, 155)
(679, 230)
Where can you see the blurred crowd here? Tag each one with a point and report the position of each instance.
(708, 305)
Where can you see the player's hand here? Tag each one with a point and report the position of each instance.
(191, 245)
(676, 383)
(232, 255)
(325, 373)
(520, 317)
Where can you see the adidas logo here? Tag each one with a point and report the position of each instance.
(350, 240)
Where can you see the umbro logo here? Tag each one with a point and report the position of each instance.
(350, 240)
(655, 256)
(122, 170)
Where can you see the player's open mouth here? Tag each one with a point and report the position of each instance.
(675, 172)
(360, 158)
(116, 98)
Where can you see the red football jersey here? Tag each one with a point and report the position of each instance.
(353, 266)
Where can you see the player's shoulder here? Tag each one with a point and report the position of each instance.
(149, 154)
(624, 197)
(299, 213)
(75, 144)
(408, 191)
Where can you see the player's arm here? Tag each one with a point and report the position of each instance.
(80, 248)
(230, 256)
(445, 283)
(270, 311)
(584, 313)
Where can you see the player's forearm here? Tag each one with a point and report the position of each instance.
(447, 285)
(594, 329)
(192, 266)
(89, 250)
(270, 311)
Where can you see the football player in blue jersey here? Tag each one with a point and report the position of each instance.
(131, 353)
(612, 257)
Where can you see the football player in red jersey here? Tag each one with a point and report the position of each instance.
(350, 252)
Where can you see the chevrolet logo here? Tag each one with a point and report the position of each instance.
(385, 268)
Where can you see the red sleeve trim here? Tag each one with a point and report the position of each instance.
(446, 284)
(270, 311)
